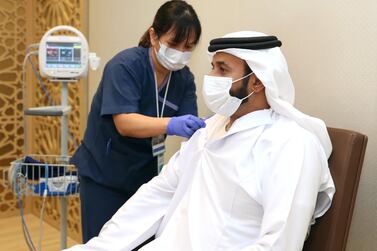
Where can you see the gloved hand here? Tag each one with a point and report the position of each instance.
(184, 126)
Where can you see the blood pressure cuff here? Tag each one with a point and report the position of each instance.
(34, 169)
(250, 43)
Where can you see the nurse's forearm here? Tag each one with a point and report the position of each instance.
(139, 126)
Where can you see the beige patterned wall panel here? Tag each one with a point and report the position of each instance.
(12, 46)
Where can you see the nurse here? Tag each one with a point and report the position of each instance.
(145, 93)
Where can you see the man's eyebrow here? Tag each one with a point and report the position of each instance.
(222, 63)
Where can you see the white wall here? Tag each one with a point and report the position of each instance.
(331, 50)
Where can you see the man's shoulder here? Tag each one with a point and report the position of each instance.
(284, 131)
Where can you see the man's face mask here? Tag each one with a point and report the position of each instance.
(216, 95)
(172, 59)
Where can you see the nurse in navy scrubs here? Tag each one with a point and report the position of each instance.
(146, 93)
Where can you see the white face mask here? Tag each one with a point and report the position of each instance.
(217, 97)
(172, 59)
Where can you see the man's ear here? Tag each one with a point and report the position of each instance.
(257, 85)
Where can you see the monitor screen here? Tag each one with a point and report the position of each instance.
(63, 55)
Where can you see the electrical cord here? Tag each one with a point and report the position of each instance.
(28, 54)
(41, 220)
(39, 79)
(20, 178)
(25, 230)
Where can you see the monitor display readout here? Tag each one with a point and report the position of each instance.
(63, 55)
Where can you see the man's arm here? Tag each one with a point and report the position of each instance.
(289, 189)
(138, 219)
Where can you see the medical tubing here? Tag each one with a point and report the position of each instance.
(41, 216)
(71, 136)
(25, 230)
(24, 93)
(51, 102)
(28, 55)
(41, 219)
(32, 46)
(22, 223)
(39, 78)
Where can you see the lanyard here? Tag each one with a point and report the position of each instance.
(166, 93)
(158, 144)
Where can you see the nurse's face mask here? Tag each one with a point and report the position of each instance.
(172, 59)
(217, 97)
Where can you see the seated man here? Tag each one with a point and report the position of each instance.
(254, 179)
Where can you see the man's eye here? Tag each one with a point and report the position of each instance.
(222, 69)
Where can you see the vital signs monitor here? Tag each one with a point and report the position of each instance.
(63, 56)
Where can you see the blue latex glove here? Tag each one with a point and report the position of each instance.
(184, 126)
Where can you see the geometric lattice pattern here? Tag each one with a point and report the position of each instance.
(12, 46)
(15, 23)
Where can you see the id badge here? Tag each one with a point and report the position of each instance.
(160, 163)
(158, 145)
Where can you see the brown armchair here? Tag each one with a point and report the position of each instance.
(331, 230)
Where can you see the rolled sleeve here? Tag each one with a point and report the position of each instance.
(121, 90)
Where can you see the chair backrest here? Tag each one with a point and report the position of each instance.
(331, 230)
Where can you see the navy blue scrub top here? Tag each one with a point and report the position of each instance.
(128, 86)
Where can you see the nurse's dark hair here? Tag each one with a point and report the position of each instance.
(177, 15)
